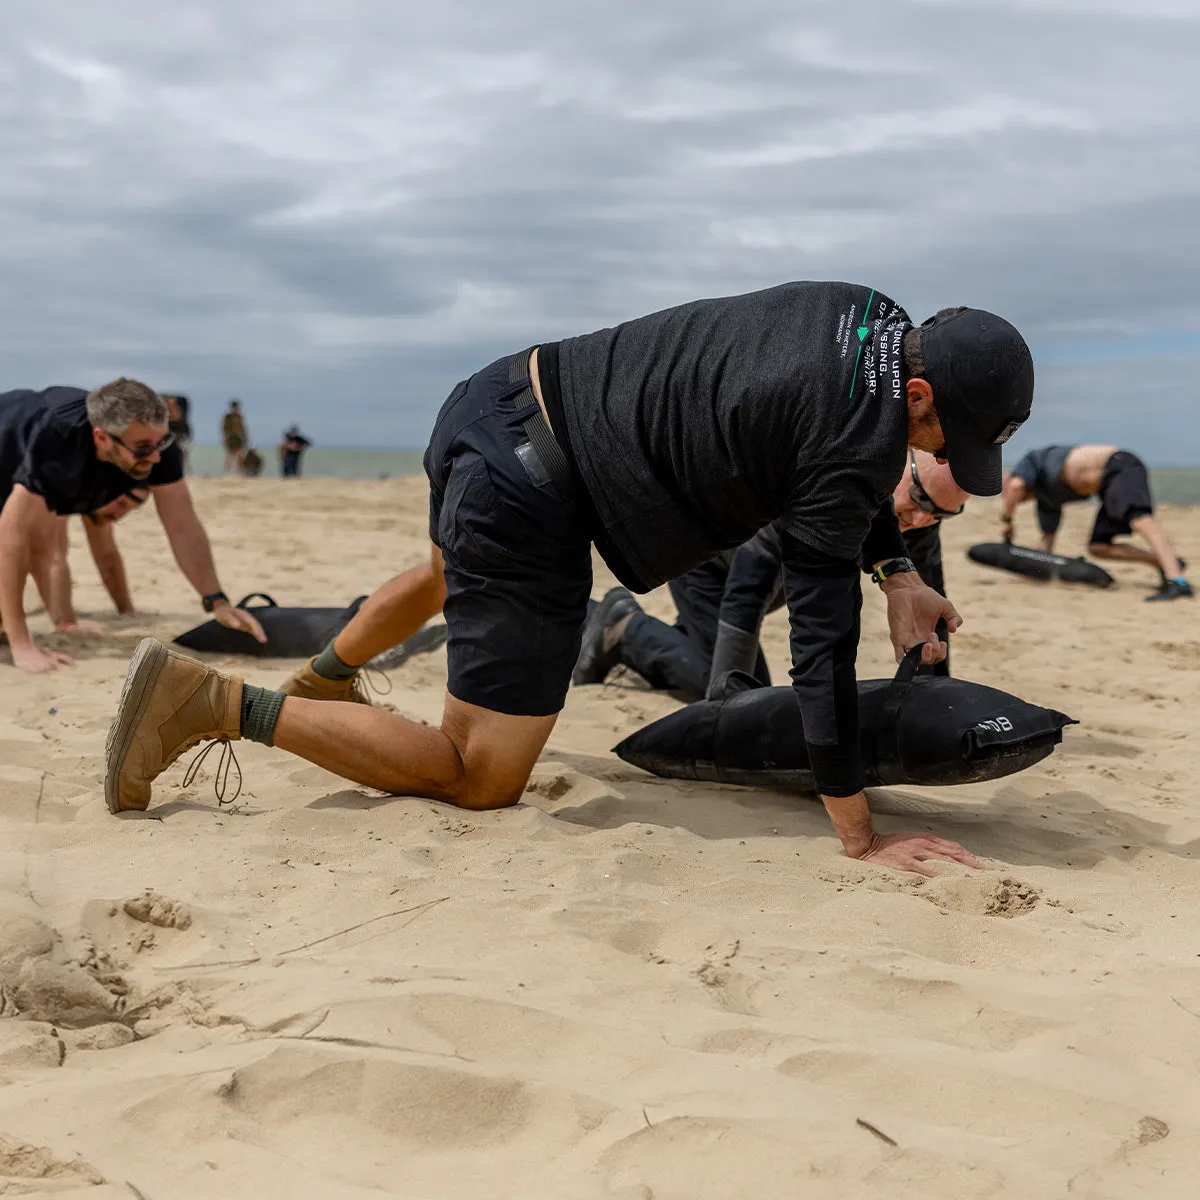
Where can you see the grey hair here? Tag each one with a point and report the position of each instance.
(914, 360)
(117, 405)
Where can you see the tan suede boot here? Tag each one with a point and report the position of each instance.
(308, 685)
(169, 703)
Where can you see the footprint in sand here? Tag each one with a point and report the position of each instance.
(370, 1120)
(26, 1168)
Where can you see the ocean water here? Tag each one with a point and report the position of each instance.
(323, 462)
(1172, 485)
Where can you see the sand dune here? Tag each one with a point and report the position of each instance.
(625, 987)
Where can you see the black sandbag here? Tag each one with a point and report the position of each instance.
(1039, 564)
(291, 632)
(916, 729)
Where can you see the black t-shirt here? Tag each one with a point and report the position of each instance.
(46, 445)
(693, 428)
(1042, 472)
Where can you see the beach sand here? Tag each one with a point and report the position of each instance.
(624, 987)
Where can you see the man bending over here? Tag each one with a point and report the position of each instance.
(665, 440)
(721, 603)
(65, 451)
(1058, 475)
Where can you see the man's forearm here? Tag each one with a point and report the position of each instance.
(1013, 494)
(112, 575)
(107, 557)
(60, 602)
(851, 819)
(193, 553)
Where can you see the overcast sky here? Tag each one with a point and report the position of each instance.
(336, 209)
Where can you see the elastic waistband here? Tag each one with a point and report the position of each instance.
(537, 429)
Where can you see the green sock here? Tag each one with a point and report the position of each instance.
(260, 712)
(328, 665)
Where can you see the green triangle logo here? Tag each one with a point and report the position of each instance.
(862, 333)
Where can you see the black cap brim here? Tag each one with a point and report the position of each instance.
(977, 465)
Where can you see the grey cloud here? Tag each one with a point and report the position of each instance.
(336, 211)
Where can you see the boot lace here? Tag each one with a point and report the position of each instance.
(226, 763)
(370, 682)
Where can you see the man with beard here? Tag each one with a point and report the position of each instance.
(65, 451)
(721, 603)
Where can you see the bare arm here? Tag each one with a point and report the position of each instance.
(193, 553)
(1015, 492)
(59, 602)
(28, 540)
(189, 542)
(102, 541)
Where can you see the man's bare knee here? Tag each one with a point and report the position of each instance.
(483, 798)
(497, 752)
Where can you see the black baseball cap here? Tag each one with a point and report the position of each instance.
(981, 373)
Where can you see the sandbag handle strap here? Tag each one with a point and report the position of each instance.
(270, 603)
(887, 750)
(907, 669)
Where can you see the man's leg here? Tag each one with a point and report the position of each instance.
(664, 655)
(1123, 552)
(394, 612)
(1161, 553)
(1126, 506)
(389, 616)
(478, 758)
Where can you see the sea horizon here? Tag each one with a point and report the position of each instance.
(1171, 485)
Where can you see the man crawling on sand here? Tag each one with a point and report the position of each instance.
(1058, 475)
(664, 440)
(66, 451)
(721, 603)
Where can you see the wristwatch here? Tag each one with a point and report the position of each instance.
(210, 601)
(893, 566)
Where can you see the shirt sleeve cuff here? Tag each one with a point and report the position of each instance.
(837, 770)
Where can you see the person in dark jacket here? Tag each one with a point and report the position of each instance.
(721, 603)
(291, 451)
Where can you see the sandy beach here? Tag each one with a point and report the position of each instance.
(624, 987)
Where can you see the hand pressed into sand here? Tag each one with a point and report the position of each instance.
(35, 661)
(905, 851)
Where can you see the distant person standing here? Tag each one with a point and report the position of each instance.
(180, 427)
(233, 435)
(291, 451)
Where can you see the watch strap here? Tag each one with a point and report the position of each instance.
(893, 566)
(210, 601)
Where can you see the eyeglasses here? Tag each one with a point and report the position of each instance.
(142, 453)
(920, 497)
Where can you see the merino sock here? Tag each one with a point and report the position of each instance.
(260, 712)
(329, 666)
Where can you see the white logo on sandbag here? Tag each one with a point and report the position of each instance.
(996, 724)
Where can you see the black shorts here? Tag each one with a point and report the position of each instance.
(517, 550)
(1124, 496)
